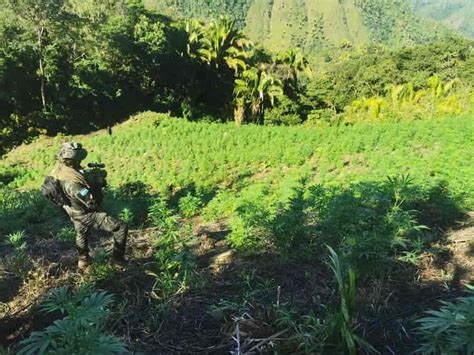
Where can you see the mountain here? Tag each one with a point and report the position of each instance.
(313, 24)
(456, 14)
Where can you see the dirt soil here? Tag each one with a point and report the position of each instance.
(189, 324)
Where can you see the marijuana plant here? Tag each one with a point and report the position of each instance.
(449, 330)
(81, 331)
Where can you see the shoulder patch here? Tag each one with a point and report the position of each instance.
(84, 192)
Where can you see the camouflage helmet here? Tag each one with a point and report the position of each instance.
(72, 151)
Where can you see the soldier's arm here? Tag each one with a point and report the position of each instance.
(80, 196)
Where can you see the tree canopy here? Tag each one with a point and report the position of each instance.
(75, 66)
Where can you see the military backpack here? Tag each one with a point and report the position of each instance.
(53, 191)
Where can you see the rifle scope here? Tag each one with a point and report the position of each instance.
(96, 165)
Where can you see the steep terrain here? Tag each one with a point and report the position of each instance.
(190, 287)
(457, 14)
(312, 24)
(281, 24)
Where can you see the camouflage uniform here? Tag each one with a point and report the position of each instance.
(86, 220)
(84, 208)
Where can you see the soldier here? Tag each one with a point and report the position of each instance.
(83, 207)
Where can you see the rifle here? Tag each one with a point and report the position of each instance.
(96, 176)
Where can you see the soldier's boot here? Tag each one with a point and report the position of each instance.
(83, 263)
(118, 256)
(120, 242)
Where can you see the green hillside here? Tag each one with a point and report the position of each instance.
(237, 214)
(457, 14)
(310, 24)
(228, 158)
(282, 24)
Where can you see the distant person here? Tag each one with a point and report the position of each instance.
(80, 194)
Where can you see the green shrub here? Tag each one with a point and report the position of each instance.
(161, 216)
(340, 328)
(81, 331)
(449, 330)
(173, 257)
(322, 117)
(221, 206)
(19, 262)
(66, 234)
(127, 215)
(249, 227)
(17, 241)
(101, 268)
(288, 113)
(272, 218)
(373, 224)
(21, 208)
(190, 205)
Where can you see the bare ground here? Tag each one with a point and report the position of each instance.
(188, 324)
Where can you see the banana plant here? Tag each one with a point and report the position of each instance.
(255, 90)
(296, 63)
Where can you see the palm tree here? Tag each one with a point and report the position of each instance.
(255, 90)
(296, 64)
(223, 43)
(195, 32)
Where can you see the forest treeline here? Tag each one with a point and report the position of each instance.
(74, 66)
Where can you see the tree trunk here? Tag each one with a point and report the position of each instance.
(40, 33)
(262, 114)
(295, 79)
(239, 114)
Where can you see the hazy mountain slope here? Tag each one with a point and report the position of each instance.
(203, 9)
(393, 22)
(457, 14)
(310, 24)
(280, 24)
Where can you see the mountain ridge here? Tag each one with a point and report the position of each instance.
(456, 14)
(315, 24)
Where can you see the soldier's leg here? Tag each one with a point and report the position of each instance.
(82, 243)
(82, 225)
(117, 228)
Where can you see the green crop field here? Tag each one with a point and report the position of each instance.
(173, 153)
(380, 195)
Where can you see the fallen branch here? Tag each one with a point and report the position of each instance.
(267, 340)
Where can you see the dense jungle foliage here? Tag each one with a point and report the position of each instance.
(74, 66)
